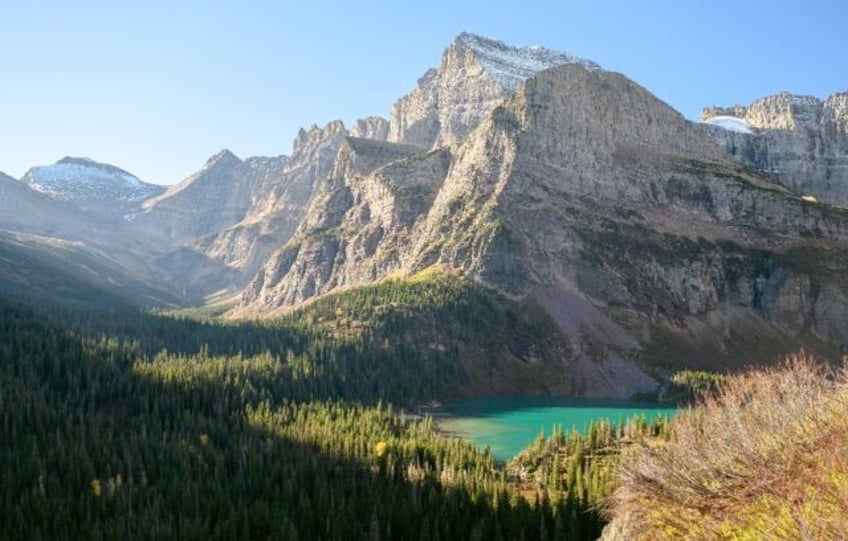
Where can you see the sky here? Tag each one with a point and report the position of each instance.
(157, 87)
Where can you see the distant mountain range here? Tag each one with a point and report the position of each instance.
(651, 241)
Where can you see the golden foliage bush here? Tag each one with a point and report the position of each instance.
(764, 458)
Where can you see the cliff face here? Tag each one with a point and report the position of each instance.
(279, 201)
(799, 140)
(589, 195)
(216, 196)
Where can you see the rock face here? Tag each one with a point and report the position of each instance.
(190, 219)
(280, 205)
(589, 195)
(474, 76)
(799, 140)
(91, 185)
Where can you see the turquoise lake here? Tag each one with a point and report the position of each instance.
(508, 425)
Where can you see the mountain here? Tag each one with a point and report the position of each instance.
(800, 140)
(83, 246)
(90, 185)
(215, 197)
(474, 76)
(372, 127)
(588, 196)
(357, 225)
(651, 242)
(26, 210)
(277, 207)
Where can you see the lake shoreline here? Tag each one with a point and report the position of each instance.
(509, 424)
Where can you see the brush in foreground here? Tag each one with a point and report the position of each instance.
(766, 457)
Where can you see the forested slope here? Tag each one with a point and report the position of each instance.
(121, 425)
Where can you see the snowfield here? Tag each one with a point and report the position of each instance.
(82, 180)
(730, 123)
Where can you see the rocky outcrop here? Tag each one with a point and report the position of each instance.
(357, 225)
(372, 127)
(474, 77)
(799, 140)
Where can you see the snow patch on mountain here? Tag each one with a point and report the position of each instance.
(85, 181)
(510, 65)
(730, 123)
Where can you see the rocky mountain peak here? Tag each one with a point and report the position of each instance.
(87, 162)
(223, 158)
(510, 65)
(783, 111)
(316, 148)
(835, 113)
(474, 76)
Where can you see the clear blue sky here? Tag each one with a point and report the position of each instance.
(156, 87)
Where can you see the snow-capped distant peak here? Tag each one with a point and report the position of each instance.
(85, 181)
(510, 65)
(730, 123)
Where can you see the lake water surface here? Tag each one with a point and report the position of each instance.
(508, 425)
